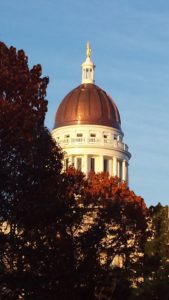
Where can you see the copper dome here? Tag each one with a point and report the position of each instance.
(87, 104)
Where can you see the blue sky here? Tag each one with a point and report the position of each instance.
(130, 47)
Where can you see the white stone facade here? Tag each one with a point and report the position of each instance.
(94, 148)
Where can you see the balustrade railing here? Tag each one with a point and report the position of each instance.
(93, 141)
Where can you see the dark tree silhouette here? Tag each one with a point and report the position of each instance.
(63, 236)
(31, 192)
(108, 229)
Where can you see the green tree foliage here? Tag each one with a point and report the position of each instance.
(156, 258)
(159, 244)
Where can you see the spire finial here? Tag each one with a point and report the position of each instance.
(88, 50)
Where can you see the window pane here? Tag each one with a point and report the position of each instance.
(67, 163)
(106, 165)
(120, 169)
(79, 164)
(92, 164)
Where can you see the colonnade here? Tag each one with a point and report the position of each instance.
(115, 166)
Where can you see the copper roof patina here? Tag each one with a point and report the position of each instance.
(87, 104)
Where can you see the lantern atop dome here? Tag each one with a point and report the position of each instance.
(88, 67)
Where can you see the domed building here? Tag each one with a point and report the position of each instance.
(88, 128)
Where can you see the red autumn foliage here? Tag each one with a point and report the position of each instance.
(102, 185)
(101, 189)
(44, 203)
(75, 181)
(22, 94)
(31, 193)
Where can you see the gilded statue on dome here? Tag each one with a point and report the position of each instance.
(88, 50)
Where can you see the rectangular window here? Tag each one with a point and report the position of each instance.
(67, 136)
(92, 164)
(105, 136)
(67, 163)
(120, 169)
(93, 135)
(79, 163)
(105, 165)
(79, 134)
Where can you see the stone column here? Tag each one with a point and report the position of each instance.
(124, 174)
(71, 161)
(114, 166)
(100, 163)
(85, 164)
(118, 168)
(111, 167)
(127, 173)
